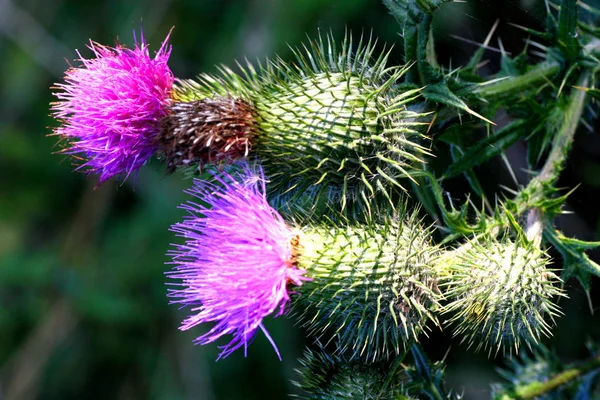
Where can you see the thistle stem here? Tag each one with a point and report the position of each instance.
(561, 146)
(535, 389)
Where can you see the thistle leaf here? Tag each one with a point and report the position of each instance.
(485, 149)
(440, 93)
(575, 261)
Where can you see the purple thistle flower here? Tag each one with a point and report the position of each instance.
(237, 261)
(110, 107)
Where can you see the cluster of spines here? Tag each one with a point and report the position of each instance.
(372, 290)
(319, 56)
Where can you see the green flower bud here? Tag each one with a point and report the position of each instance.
(333, 119)
(500, 293)
(327, 376)
(373, 288)
(324, 376)
(539, 366)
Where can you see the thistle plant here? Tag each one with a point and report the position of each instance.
(324, 199)
(375, 286)
(334, 118)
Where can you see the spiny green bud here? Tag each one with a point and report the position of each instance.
(373, 288)
(539, 366)
(327, 376)
(500, 293)
(335, 118)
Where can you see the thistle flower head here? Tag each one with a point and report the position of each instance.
(237, 260)
(373, 288)
(500, 293)
(111, 105)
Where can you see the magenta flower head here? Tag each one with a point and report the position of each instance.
(238, 259)
(110, 107)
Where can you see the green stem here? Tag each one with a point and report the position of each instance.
(514, 84)
(535, 389)
(561, 146)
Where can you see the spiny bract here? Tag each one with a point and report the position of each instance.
(500, 292)
(334, 118)
(373, 288)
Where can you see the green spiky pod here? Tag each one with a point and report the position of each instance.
(500, 293)
(543, 376)
(373, 288)
(526, 369)
(327, 376)
(333, 123)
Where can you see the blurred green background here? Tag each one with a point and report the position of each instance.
(83, 311)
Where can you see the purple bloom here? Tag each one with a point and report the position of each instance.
(237, 260)
(111, 106)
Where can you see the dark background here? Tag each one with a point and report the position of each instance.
(83, 311)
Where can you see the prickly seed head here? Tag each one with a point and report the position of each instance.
(373, 289)
(500, 294)
(335, 130)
